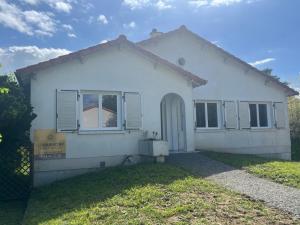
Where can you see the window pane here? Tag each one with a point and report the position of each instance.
(212, 114)
(90, 111)
(263, 115)
(253, 115)
(109, 110)
(200, 115)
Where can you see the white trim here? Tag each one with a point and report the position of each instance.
(257, 103)
(100, 119)
(83, 132)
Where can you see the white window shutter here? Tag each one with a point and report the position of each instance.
(244, 116)
(133, 111)
(66, 110)
(279, 115)
(230, 114)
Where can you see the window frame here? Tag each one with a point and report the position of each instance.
(218, 103)
(100, 114)
(258, 116)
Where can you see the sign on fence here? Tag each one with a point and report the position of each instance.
(48, 144)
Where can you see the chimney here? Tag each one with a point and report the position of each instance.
(155, 33)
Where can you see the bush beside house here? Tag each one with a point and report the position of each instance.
(294, 117)
(16, 115)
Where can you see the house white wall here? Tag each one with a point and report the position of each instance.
(227, 80)
(111, 69)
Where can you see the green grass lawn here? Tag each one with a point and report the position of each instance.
(11, 213)
(145, 194)
(284, 172)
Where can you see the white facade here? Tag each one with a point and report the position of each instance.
(228, 80)
(113, 70)
(167, 104)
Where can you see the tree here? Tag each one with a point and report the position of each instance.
(16, 115)
(269, 72)
(294, 116)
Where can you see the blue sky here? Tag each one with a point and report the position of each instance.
(262, 32)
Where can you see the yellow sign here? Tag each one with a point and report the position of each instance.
(48, 144)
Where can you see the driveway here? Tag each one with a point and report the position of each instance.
(273, 194)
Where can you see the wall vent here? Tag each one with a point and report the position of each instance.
(102, 164)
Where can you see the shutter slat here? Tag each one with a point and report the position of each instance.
(230, 115)
(133, 111)
(279, 115)
(66, 106)
(244, 116)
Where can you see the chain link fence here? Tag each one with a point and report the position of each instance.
(16, 169)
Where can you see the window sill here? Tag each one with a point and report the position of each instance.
(208, 130)
(101, 132)
(262, 129)
(269, 129)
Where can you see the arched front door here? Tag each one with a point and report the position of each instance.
(173, 122)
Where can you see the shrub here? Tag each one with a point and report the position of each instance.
(15, 120)
(294, 118)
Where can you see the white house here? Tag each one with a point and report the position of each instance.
(103, 100)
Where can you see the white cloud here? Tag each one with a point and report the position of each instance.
(67, 27)
(41, 20)
(71, 35)
(27, 22)
(198, 3)
(139, 4)
(132, 25)
(69, 30)
(216, 3)
(163, 4)
(136, 4)
(59, 5)
(102, 19)
(11, 16)
(62, 6)
(32, 2)
(224, 2)
(103, 41)
(261, 62)
(15, 57)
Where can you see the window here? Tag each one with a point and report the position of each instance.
(253, 115)
(90, 111)
(100, 111)
(207, 115)
(200, 115)
(109, 110)
(258, 115)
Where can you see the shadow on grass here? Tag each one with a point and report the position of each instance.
(239, 161)
(63, 197)
(207, 163)
(11, 212)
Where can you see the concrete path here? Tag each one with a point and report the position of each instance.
(274, 194)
